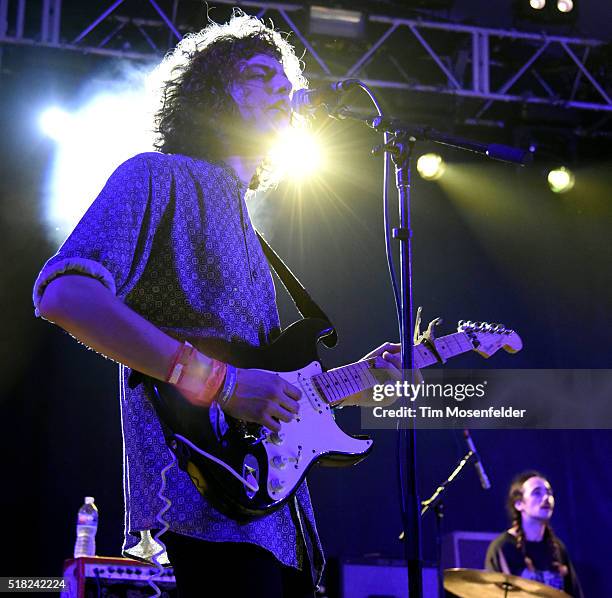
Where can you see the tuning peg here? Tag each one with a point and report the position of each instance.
(460, 326)
(464, 326)
(429, 333)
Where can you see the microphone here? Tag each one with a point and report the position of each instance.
(306, 101)
(484, 480)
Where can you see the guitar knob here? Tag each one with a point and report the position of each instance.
(276, 485)
(279, 462)
(276, 438)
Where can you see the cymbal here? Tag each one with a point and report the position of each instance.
(472, 583)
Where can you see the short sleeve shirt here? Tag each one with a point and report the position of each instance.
(172, 237)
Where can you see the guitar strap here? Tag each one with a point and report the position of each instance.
(305, 304)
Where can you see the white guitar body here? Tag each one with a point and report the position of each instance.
(244, 469)
(310, 437)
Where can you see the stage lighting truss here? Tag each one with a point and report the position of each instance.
(486, 65)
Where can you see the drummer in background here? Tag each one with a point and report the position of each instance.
(530, 548)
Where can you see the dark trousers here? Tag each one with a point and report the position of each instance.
(233, 570)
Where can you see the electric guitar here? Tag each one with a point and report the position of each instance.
(244, 469)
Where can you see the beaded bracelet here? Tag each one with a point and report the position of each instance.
(229, 385)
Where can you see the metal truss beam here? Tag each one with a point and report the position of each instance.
(492, 80)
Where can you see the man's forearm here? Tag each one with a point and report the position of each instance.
(86, 309)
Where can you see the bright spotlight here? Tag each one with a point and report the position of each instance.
(431, 166)
(91, 142)
(565, 5)
(561, 179)
(537, 4)
(55, 123)
(297, 153)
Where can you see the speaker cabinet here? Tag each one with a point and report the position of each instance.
(466, 550)
(381, 578)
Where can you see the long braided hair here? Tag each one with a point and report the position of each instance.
(515, 493)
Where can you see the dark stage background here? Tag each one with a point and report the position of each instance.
(498, 246)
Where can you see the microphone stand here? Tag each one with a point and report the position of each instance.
(401, 148)
(435, 502)
(400, 144)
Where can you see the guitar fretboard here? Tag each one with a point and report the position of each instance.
(337, 384)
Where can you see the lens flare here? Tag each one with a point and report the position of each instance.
(297, 154)
(431, 166)
(561, 179)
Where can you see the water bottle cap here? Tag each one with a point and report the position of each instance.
(89, 500)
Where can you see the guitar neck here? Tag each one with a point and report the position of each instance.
(337, 384)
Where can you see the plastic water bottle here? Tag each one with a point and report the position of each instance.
(87, 526)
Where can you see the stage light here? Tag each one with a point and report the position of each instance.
(297, 154)
(565, 5)
(55, 123)
(104, 132)
(547, 12)
(337, 22)
(561, 180)
(431, 166)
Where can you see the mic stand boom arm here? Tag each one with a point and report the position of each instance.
(495, 151)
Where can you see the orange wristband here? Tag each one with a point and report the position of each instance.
(180, 361)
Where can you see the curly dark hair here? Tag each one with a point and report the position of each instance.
(195, 104)
(515, 493)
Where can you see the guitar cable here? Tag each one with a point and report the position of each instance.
(165, 526)
(159, 517)
(253, 486)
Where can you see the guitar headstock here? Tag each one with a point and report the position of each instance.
(487, 338)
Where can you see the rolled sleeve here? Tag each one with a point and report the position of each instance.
(74, 265)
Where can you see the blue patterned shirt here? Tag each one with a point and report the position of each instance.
(171, 236)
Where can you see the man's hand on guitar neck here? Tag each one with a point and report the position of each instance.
(388, 366)
(390, 354)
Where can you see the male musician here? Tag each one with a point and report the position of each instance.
(530, 548)
(167, 251)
